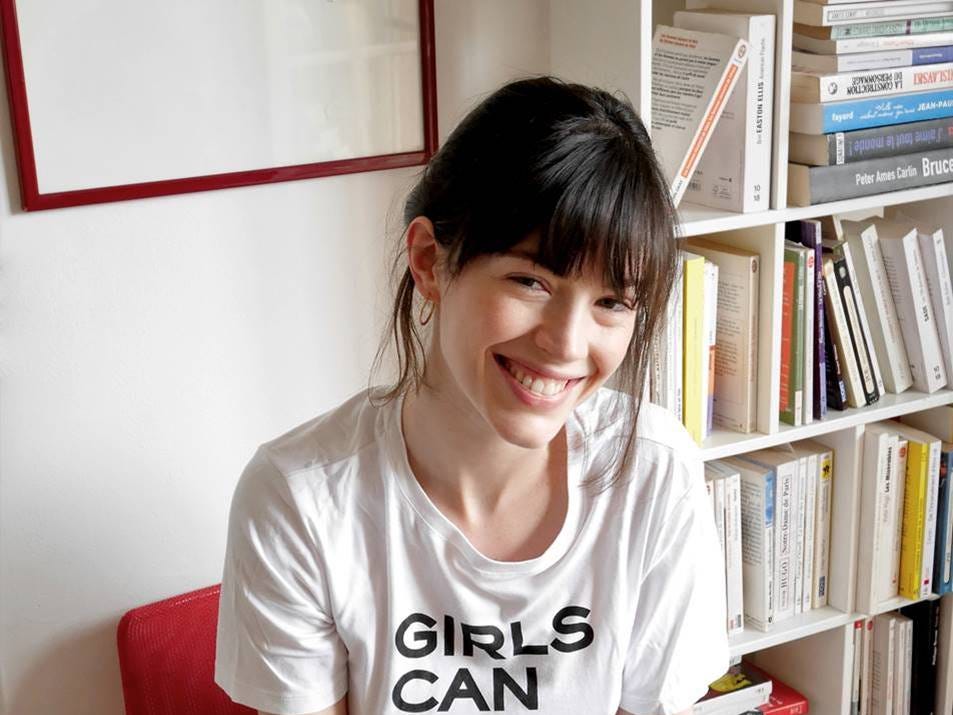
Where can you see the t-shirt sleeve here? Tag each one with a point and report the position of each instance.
(277, 649)
(679, 640)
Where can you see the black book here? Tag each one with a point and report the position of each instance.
(926, 634)
(836, 389)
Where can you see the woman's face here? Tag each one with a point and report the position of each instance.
(523, 346)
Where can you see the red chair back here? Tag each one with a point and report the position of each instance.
(167, 657)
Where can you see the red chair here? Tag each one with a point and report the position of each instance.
(167, 657)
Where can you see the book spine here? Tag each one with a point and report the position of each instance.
(856, 654)
(942, 527)
(874, 176)
(835, 87)
(822, 528)
(797, 534)
(787, 325)
(810, 521)
(876, 112)
(693, 345)
(895, 27)
(797, 341)
(784, 533)
(936, 375)
(914, 512)
(937, 274)
(867, 647)
(868, 349)
(931, 55)
(836, 387)
(885, 327)
(711, 330)
(757, 547)
(834, 15)
(857, 336)
(810, 236)
(809, 360)
(878, 452)
(840, 336)
(899, 489)
(879, 142)
(929, 525)
(733, 538)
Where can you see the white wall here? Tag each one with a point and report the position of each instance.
(148, 346)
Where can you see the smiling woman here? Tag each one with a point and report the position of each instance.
(497, 530)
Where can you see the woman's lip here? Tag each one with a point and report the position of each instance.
(529, 398)
(534, 372)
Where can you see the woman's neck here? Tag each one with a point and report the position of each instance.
(463, 464)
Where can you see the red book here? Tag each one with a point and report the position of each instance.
(784, 699)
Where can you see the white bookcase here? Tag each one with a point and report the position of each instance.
(608, 43)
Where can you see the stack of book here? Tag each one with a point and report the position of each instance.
(786, 495)
(906, 527)
(894, 661)
(749, 690)
(704, 362)
(871, 98)
(874, 314)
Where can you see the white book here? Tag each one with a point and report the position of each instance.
(812, 86)
(844, 249)
(810, 339)
(797, 536)
(711, 330)
(783, 461)
(736, 354)
(884, 43)
(907, 663)
(903, 262)
(809, 13)
(693, 76)
(735, 172)
(912, 434)
(899, 656)
(721, 473)
(875, 539)
(933, 250)
(834, 311)
(824, 493)
(810, 517)
(896, 515)
(874, 289)
(882, 665)
(812, 62)
(856, 666)
(757, 491)
(865, 656)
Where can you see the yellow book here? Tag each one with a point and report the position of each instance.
(920, 501)
(693, 343)
(914, 505)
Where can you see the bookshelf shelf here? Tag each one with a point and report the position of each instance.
(893, 604)
(801, 626)
(698, 220)
(723, 443)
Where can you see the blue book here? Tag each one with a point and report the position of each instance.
(827, 117)
(931, 55)
(942, 581)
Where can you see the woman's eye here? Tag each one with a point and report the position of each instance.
(526, 281)
(617, 306)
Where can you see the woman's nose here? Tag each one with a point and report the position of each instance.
(563, 332)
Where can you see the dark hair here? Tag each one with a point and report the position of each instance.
(574, 163)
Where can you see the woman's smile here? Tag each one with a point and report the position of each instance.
(530, 387)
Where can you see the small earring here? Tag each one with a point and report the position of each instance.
(423, 320)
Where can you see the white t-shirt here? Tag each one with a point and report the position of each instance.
(342, 576)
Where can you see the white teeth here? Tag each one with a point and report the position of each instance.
(537, 385)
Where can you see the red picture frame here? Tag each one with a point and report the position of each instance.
(32, 199)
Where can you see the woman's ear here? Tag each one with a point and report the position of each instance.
(424, 256)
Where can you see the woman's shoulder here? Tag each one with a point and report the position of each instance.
(335, 436)
(602, 419)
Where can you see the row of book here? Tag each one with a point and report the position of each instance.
(894, 661)
(867, 308)
(704, 364)
(871, 98)
(906, 523)
(773, 515)
(746, 689)
(713, 106)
